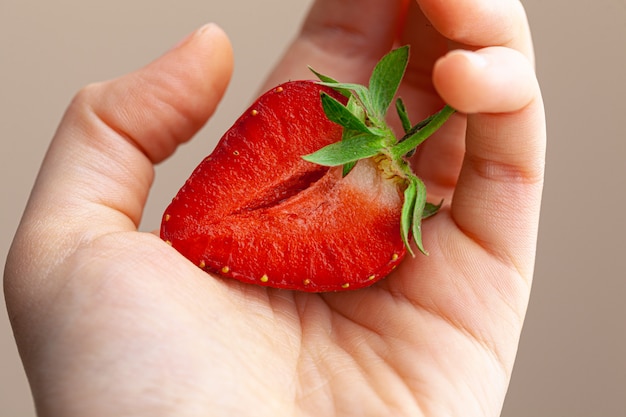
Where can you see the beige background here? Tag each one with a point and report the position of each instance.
(572, 360)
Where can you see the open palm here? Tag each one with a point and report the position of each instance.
(111, 321)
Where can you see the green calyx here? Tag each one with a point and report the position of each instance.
(366, 134)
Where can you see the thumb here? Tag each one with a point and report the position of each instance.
(98, 169)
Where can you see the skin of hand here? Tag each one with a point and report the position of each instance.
(112, 321)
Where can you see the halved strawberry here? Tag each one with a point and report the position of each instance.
(308, 190)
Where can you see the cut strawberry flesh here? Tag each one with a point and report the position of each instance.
(255, 211)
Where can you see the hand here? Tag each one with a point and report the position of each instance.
(111, 321)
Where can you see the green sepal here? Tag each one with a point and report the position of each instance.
(346, 89)
(418, 211)
(403, 115)
(354, 107)
(347, 167)
(406, 217)
(431, 209)
(413, 210)
(322, 77)
(406, 122)
(358, 111)
(360, 92)
(338, 113)
(348, 150)
(326, 80)
(385, 80)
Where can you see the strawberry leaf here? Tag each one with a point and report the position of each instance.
(385, 80)
(340, 114)
(347, 151)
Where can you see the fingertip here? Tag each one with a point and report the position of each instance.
(213, 64)
(481, 22)
(218, 42)
(453, 76)
(203, 61)
(490, 80)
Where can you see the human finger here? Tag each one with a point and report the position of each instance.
(343, 39)
(498, 192)
(99, 167)
(480, 23)
(101, 157)
(433, 29)
(490, 80)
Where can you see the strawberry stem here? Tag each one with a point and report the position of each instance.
(434, 122)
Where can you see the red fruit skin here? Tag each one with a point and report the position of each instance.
(255, 211)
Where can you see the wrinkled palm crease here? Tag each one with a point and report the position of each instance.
(367, 341)
(366, 134)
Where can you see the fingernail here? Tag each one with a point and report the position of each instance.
(475, 59)
(187, 38)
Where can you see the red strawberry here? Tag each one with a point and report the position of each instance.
(266, 208)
